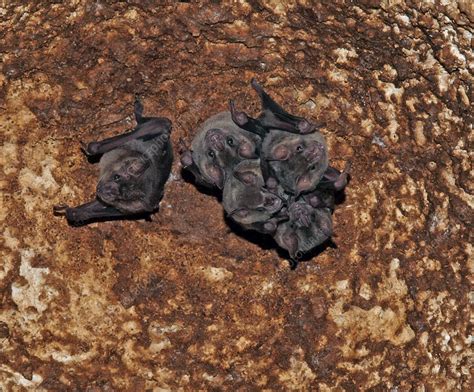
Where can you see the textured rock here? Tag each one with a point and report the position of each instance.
(184, 303)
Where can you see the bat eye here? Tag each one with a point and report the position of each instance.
(299, 148)
(312, 168)
(211, 153)
(230, 141)
(116, 177)
(260, 209)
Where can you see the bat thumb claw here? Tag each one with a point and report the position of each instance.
(347, 167)
(256, 86)
(60, 209)
(84, 148)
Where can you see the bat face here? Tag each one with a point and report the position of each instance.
(122, 180)
(219, 146)
(307, 228)
(246, 200)
(298, 162)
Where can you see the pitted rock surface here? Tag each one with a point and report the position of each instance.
(184, 303)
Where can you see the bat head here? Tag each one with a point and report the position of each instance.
(123, 181)
(298, 162)
(219, 146)
(245, 199)
(298, 238)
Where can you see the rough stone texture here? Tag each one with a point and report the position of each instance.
(184, 303)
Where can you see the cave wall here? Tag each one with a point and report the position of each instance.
(183, 302)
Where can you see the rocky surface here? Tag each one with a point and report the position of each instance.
(183, 302)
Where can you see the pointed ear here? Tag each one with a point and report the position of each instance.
(246, 177)
(137, 167)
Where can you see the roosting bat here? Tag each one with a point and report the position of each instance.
(134, 168)
(218, 146)
(248, 202)
(306, 228)
(294, 153)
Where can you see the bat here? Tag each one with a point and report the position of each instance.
(218, 146)
(294, 153)
(297, 162)
(134, 168)
(248, 202)
(306, 228)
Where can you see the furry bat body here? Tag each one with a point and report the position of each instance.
(248, 202)
(217, 148)
(306, 228)
(294, 153)
(134, 168)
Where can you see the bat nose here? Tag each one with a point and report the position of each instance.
(314, 152)
(215, 139)
(106, 190)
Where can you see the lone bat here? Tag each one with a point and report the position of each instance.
(134, 168)
(248, 202)
(293, 153)
(218, 146)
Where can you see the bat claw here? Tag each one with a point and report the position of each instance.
(256, 86)
(347, 167)
(84, 149)
(60, 209)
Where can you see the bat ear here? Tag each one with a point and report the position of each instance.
(280, 153)
(137, 167)
(187, 158)
(246, 177)
(216, 175)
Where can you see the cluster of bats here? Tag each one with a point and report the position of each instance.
(273, 172)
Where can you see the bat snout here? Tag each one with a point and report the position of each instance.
(215, 139)
(107, 191)
(314, 153)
